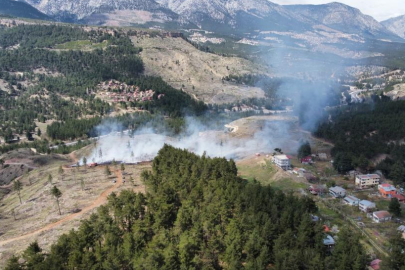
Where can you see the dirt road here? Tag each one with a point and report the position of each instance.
(96, 203)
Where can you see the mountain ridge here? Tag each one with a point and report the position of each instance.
(21, 9)
(343, 18)
(222, 16)
(396, 25)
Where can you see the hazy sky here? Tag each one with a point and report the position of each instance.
(379, 9)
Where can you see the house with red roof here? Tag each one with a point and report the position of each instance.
(400, 197)
(306, 160)
(381, 216)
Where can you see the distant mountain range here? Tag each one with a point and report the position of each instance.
(21, 9)
(343, 18)
(396, 25)
(236, 17)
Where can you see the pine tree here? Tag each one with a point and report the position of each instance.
(107, 171)
(82, 184)
(304, 150)
(397, 173)
(13, 213)
(60, 172)
(18, 187)
(57, 194)
(13, 264)
(50, 179)
(85, 162)
(395, 207)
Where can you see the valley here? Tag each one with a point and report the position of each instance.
(200, 135)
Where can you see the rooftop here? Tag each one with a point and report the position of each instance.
(281, 157)
(382, 214)
(366, 176)
(351, 198)
(337, 189)
(387, 187)
(400, 197)
(328, 240)
(401, 228)
(367, 203)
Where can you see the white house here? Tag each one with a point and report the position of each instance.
(366, 206)
(337, 192)
(351, 200)
(381, 216)
(282, 161)
(367, 180)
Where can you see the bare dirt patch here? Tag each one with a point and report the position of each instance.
(37, 216)
(197, 73)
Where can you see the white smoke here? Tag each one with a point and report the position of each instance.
(144, 144)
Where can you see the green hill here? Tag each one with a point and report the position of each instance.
(21, 9)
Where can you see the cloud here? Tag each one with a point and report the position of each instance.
(380, 10)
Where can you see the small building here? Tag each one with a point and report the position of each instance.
(375, 265)
(400, 197)
(351, 200)
(306, 160)
(387, 190)
(337, 192)
(401, 228)
(367, 180)
(329, 242)
(316, 189)
(366, 206)
(322, 156)
(381, 216)
(282, 161)
(310, 177)
(299, 171)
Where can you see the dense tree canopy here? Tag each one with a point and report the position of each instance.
(64, 95)
(361, 132)
(198, 214)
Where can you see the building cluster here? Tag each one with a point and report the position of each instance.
(385, 190)
(121, 92)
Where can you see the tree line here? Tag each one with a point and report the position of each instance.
(198, 214)
(361, 132)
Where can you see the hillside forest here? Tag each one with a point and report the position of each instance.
(198, 214)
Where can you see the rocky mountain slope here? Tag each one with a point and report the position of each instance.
(396, 25)
(222, 16)
(343, 18)
(77, 10)
(20, 9)
(238, 15)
